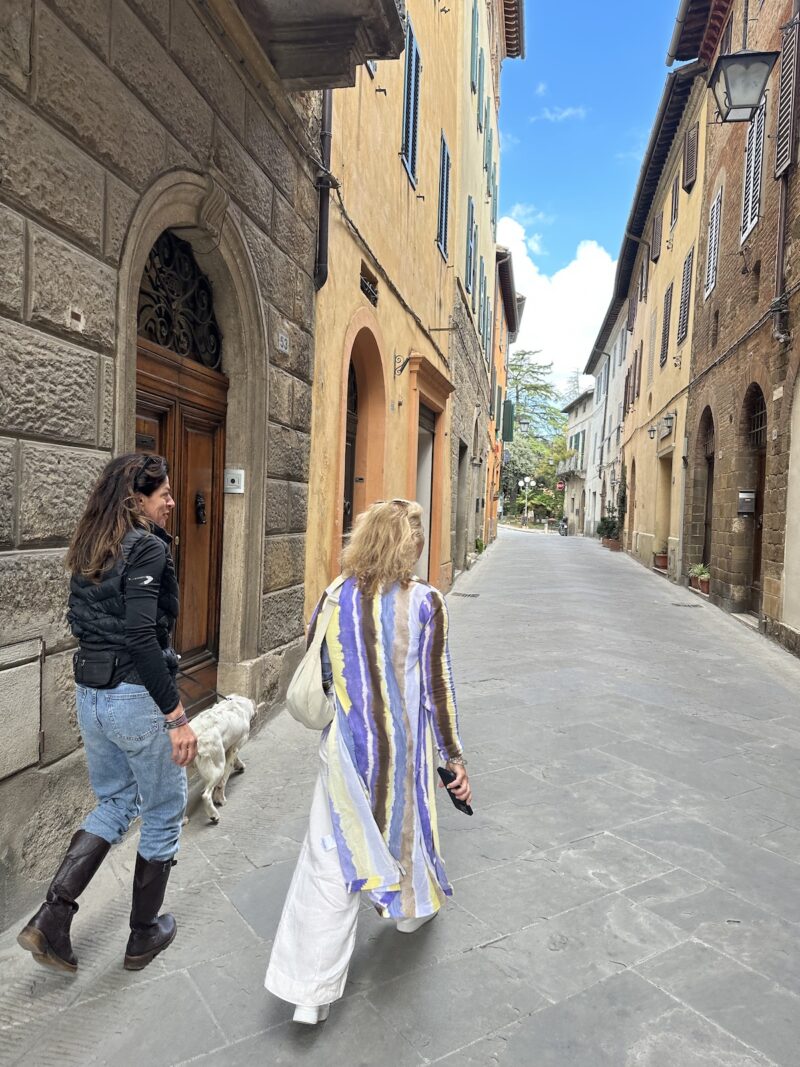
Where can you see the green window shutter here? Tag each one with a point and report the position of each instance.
(442, 225)
(481, 297)
(470, 245)
(508, 421)
(473, 62)
(413, 70)
(481, 77)
(475, 245)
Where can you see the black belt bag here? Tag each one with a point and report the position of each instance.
(94, 667)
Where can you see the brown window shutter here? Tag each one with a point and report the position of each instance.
(665, 326)
(787, 93)
(686, 290)
(639, 369)
(691, 146)
(658, 226)
(676, 192)
(631, 312)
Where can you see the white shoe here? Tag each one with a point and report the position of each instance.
(311, 1015)
(410, 926)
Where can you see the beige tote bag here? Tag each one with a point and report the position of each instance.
(306, 699)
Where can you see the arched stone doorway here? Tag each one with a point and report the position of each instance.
(752, 479)
(700, 516)
(181, 405)
(582, 513)
(195, 208)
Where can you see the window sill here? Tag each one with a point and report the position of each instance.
(409, 172)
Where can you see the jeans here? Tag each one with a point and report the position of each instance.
(131, 769)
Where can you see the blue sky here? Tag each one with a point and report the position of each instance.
(575, 117)
(592, 80)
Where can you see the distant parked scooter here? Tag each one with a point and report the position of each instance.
(563, 527)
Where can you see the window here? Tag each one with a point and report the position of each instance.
(784, 139)
(643, 279)
(494, 200)
(481, 76)
(753, 168)
(475, 244)
(481, 300)
(473, 61)
(658, 225)
(686, 296)
(651, 349)
(489, 155)
(727, 36)
(631, 312)
(443, 224)
(639, 370)
(665, 326)
(413, 70)
(623, 347)
(691, 143)
(468, 267)
(714, 222)
(676, 193)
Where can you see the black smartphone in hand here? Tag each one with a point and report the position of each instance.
(448, 777)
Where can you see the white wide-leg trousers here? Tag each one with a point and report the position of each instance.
(312, 948)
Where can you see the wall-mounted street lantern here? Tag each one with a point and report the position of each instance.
(669, 418)
(651, 432)
(738, 81)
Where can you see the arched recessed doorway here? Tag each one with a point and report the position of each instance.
(706, 452)
(753, 448)
(194, 206)
(791, 556)
(630, 516)
(181, 403)
(582, 513)
(363, 433)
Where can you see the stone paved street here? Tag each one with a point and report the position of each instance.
(626, 894)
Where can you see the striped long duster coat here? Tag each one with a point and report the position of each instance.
(389, 661)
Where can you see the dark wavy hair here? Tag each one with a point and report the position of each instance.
(112, 510)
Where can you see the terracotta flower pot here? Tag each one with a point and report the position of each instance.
(694, 581)
(614, 544)
(661, 560)
(704, 585)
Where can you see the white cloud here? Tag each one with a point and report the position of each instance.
(529, 215)
(540, 89)
(560, 114)
(508, 141)
(564, 310)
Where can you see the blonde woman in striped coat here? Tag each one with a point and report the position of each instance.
(373, 828)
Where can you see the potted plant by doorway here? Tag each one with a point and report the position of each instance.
(704, 579)
(694, 575)
(661, 559)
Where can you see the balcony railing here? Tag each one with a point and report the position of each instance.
(573, 465)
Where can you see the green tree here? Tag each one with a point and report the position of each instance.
(537, 402)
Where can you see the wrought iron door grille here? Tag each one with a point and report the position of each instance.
(758, 423)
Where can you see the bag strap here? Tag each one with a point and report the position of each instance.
(326, 612)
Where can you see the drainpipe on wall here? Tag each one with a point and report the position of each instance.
(324, 185)
(780, 305)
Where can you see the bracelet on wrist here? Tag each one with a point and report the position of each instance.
(458, 761)
(173, 724)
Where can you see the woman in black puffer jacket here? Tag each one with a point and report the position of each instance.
(122, 609)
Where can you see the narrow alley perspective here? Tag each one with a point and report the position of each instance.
(625, 893)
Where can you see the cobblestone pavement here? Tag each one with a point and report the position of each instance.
(626, 894)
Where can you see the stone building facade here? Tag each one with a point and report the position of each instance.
(739, 515)
(604, 469)
(573, 469)
(153, 140)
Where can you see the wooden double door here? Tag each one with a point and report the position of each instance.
(180, 414)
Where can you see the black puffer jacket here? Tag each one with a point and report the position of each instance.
(131, 611)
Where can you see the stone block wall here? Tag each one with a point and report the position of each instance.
(470, 402)
(736, 343)
(98, 100)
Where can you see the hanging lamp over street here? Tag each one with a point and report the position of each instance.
(738, 81)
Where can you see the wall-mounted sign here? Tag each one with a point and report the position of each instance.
(747, 501)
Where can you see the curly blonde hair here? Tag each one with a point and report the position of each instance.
(385, 545)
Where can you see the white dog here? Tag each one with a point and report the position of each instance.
(221, 731)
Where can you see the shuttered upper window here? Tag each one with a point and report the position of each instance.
(714, 222)
(691, 147)
(470, 260)
(473, 60)
(676, 197)
(784, 137)
(658, 226)
(651, 350)
(665, 325)
(686, 297)
(753, 169)
(631, 312)
(475, 243)
(481, 299)
(643, 279)
(408, 152)
(494, 200)
(481, 78)
(639, 369)
(443, 220)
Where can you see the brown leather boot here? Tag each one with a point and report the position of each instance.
(47, 934)
(151, 933)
